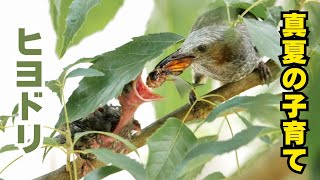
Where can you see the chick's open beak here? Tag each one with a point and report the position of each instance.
(134, 94)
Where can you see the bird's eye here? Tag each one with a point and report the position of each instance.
(202, 48)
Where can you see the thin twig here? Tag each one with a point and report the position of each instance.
(202, 110)
(236, 152)
(10, 164)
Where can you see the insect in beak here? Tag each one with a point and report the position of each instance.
(173, 64)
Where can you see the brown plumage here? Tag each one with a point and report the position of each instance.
(215, 49)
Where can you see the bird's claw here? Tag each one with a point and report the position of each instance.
(265, 73)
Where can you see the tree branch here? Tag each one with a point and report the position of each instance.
(202, 109)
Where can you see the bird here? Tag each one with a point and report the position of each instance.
(104, 119)
(108, 118)
(214, 49)
(116, 119)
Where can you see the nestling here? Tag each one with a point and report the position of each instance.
(108, 118)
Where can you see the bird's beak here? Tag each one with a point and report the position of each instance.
(143, 92)
(133, 95)
(136, 93)
(174, 64)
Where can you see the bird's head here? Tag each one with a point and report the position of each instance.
(200, 44)
(208, 45)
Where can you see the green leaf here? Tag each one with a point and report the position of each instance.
(77, 136)
(3, 123)
(270, 130)
(274, 15)
(121, 161)
(265, 138)
(270, 114)
(55, 87)
(252, 104)
(249, 124)
(98, 18)
(289, 5)
(46, 152)
(200, 154)
(265, 37)
(10, 147)
(175, 16)
(215, 176)
(4, 119)
(208, 138)
(269, 3)
(48, 141)
(182, 86)
(244, 120)
(313, 23)
(55, 12)
(259, 11)
(88, 72)
(167, 148)
(313, 115)
(193, 173)
(102, 172)
(120, 67)
(77, 19)
(59, 11)
(196, 165)
(15, 112)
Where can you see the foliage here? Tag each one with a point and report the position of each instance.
(215, 176)
(4, 118)
(10, 147)
(252, 105)
(119, 67)
(262, 33)
(102, 172)
(174, 150)
(167, 148)
(175, 16)
(313, 115)
(313, 8)
(120, 161)
(73, 20)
